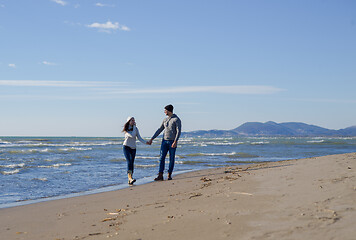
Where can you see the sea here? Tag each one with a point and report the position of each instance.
(35, 169)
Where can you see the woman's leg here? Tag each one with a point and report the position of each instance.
(127, 155)
(130, 158)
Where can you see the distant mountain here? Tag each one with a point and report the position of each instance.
(350, 131)
(270, 128)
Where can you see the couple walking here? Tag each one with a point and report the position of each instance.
(172, 129)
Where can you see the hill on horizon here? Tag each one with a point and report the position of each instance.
(270, 128)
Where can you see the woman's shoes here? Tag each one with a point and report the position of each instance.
(131, 181)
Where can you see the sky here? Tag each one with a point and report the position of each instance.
(81, 67)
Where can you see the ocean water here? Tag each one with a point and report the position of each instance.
(42, 168)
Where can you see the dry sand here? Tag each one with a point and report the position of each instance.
(311, 198)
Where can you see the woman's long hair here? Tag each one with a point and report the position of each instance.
(126, 127)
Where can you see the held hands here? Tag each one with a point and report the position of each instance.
(174, 144)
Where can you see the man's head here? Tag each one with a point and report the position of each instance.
(168, 109)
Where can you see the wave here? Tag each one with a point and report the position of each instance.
(142, 157)
(193, 162)
(40, 179)
(3, 142)
(145, 166)
(339, 141)
(25, 151)
(48, 150)
(10, 172)
(117, 160)
(242, 155)
(259, 143)
(237, 161)
(200, 145)
(186, 140)
(224, 143)
(57, 165)
(315, 141)
(72, 149)
(19, 165)
(49, 144)
(229, 155)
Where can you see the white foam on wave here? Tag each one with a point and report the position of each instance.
(211, 154)
(145, 166)
(46, 144)
(259, 143)
(19, 165)
(40, 179)
(57, 165)
(74, 149)
(186, 141)
(200, 145)
(10, 172)
(316, 141)
(4, 142)
(224, 143)
(38, 150)
(83, 144)
(142, 157)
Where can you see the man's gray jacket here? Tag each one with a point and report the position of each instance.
(172, 127)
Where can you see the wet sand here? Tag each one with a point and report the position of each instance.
(312, 198)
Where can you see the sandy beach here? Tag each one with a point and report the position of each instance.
(312, 198)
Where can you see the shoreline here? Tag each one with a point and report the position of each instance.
(117, 187)
(312, 198)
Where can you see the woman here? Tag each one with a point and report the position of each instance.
(131, 132)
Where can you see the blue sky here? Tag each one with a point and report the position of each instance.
(80, 67)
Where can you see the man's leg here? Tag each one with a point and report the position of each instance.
(172, 154)
(163, 153)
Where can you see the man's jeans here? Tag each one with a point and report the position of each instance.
(165, 148)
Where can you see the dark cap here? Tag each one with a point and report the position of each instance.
(169, 108)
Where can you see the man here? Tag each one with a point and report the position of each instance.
(172, 128)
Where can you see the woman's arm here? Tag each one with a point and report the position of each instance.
(139, 137)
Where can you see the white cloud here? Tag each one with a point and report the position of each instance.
(46, 83)
(324, 100)
(113, 90)
(124, 28)
(109, 26)
(103, 5)
(60, 2)
(49, 63)
(12, 65)
(2, 5)
(235, 89)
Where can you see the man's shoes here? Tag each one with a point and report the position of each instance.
(159, 177)
(169, 176)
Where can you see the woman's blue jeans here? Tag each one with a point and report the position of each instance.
(166, 147)
(130, 158)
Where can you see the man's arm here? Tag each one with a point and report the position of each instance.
(179, 130)
(159, 130)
